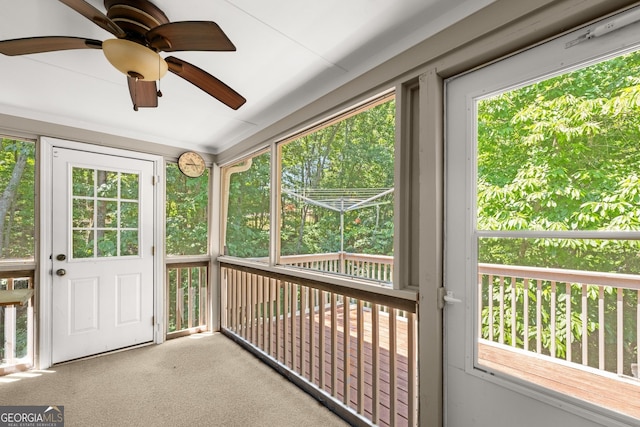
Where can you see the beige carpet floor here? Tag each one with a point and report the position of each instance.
(202, 380)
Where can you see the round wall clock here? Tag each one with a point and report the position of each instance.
(191, 164)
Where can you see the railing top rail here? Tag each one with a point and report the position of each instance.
(17, 274)
(188, 259)
(368, 257)
(629, 281)
(310, 257)
(409, 305)
(331, 256)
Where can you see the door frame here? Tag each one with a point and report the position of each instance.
(44, 307)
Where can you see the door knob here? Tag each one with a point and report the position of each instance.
(61, 272)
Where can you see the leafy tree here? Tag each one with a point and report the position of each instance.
(17, 208)
(248, 210)
(562, 155)
(354, 153)
(186, 213)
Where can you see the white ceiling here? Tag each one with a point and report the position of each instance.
(289, 53)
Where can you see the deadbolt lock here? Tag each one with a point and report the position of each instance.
(61, 257)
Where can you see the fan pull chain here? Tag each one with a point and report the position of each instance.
(135, 94)
(159, 93)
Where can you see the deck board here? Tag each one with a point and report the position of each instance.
(620, 394)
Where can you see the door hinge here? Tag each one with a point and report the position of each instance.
(446, 297)
(153, 320)
(154, 179)
(153, 251)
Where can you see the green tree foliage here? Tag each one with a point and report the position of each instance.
(248, 210)
(187, 201)
(17, 222)
(17, 198)
(562, 154)
(352, 154)
(355, 153)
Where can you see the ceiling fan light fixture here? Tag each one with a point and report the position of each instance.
(134, 60)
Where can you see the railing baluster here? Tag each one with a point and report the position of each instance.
(375, 363)
(601, 327)
(393, 367)
(490, 303)
(285, 323)
(293, 300)
(525, 313)
(346, 349)
(334, 345)
(620, 331)
(480, 294)
(552, 317)
(584, 317)
(270, 284)
(568, 321)
(312, 332)
(514, 317)
(321, 339)
(248, 311)
(179, 299)
(227, 289)
(360, 354)
(539, 316)
(260, 315)
(501, 309)
(245, 306)
(278, 319)
(189, 298)
(303, 335)
(412, 356)
(253, 308)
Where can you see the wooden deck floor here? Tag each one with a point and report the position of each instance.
(621, 394)
(290, 356)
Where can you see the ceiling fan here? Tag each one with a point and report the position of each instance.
(142, 30)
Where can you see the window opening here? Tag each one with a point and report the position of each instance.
(187, 213)
(246, 207)
(336, 194)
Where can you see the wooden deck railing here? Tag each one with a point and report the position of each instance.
(600, 328)
(362, 359)
(588, 318)
(187, 298)
(375, 267)
(16, 321)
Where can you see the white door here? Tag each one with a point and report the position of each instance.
(102, 241)
(484, 381)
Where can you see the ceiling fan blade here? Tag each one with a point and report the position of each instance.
(189, 35)
(206, 82)
(46, 44)
(98, 18)
(143, 93)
